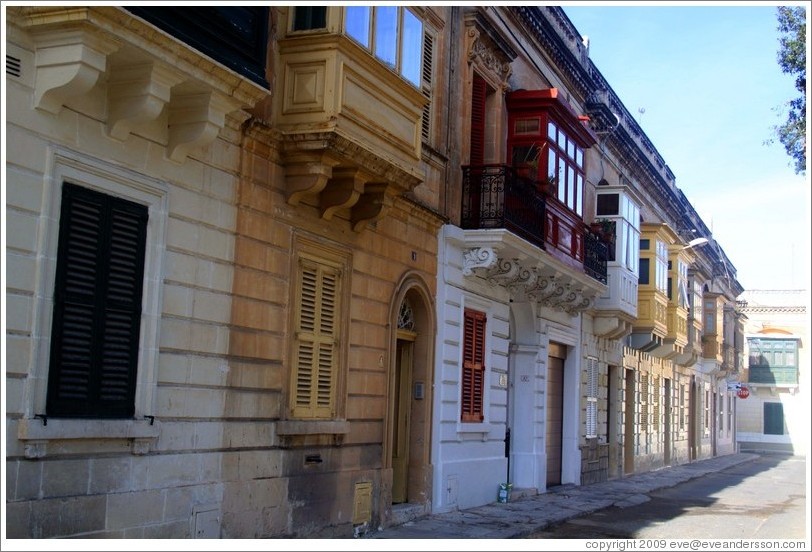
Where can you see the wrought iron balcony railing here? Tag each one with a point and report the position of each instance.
(494, 196)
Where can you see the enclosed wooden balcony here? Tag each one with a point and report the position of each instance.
(349, 127)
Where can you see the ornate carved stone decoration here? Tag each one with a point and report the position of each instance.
(483, 53)
(526, 279)
(478, 257)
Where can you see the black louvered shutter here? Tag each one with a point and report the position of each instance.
(97, 306)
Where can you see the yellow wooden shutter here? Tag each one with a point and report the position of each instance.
(316, 340)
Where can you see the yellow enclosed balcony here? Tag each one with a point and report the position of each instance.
(349, 121)
(663, 299)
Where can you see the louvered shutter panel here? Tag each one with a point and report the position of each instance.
(317, 346)
(592, 398)
(428, 60)
(473, 366)
(97, 305)
(478, 96)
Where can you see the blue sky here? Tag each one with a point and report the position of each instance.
(708, 81)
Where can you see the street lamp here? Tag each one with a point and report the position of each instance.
(696, 242)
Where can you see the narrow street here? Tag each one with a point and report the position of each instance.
(762, 499)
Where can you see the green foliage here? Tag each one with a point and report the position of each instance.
(792, 60)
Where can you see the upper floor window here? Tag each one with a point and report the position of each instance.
(773, 361)
(97, 305)
(394, 34)
(306, 18)
(565, 167)
(236, 36)
(545, 132)
(661, 268)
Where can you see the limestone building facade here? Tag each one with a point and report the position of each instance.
(308, 271)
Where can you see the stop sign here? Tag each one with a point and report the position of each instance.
(743, 393)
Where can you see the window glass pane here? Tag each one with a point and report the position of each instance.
(386, 34)
(571, 149)
(357, 24)
(644, 271)
(309, 17)
(607, 204)
(579, 157)
(551, 167)
(579, 194)
(571, 188)
(412, 43)
(551, 131)
(562, 180)
(645, 244)
(562, 141)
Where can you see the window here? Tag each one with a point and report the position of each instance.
(773, 361)
(591, 397)
(706, 407)
(394, 34)
(644, 401)
(565, 165)
(661, 270)
(608, 204)
(317, 350)
(97, 306)
(655, 404)
(307, 18)
(773, 418)
(428, 78)
(644, 272)
(473, 366)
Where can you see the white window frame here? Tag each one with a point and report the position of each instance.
(104, 177)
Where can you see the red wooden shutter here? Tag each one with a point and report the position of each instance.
(473, 366)
(478, 95)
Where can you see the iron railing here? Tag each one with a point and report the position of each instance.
(596, 251)
(493, 196)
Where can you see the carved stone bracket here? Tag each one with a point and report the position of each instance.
(478, 257)
(137, 93)
(195, 120)
(377, 199)
(69, 63)
(525, 278)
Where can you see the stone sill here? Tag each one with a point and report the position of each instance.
(312, 427)
(37, 433)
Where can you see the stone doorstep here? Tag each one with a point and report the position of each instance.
(404, 513)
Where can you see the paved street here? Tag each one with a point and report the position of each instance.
(761, 499)
(742, 495)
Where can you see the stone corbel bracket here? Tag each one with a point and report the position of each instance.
(478, 258)
(195, 120)
(137, 93)
(69, 63)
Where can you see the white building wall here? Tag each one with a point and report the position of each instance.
(518, 335)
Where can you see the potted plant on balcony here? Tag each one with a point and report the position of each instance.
(605, 229)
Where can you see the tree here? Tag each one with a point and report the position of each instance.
(792, 60)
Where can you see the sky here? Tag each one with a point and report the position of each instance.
(704, 84)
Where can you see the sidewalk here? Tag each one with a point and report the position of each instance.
(524, 516)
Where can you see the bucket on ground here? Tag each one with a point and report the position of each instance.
(504, 492)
